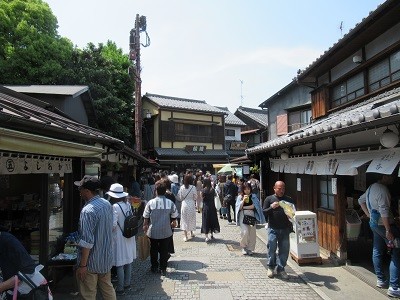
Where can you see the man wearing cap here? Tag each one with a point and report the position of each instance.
(95, 256)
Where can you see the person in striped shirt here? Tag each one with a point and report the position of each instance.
(95, 256)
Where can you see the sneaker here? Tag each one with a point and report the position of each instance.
(270, 273)
(393, 292)
(185, 239)
(249, 252)
(212, 237)
(283, 274)
(207, 239)
(244, 251)
(382, 284)
(120, 293)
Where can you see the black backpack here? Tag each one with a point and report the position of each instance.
(131, 224)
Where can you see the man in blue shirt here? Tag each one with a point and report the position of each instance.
(95, 255)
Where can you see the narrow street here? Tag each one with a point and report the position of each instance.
(216, 270)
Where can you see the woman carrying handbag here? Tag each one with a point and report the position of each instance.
(248, 215)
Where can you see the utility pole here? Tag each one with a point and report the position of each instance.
(134, 56)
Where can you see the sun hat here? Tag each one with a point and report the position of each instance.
(173, 178)
(117, 191)
(91, 183)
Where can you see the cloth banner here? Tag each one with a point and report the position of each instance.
(11, 164)
(385, 163)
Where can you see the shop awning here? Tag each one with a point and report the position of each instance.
(383, 161)
(16, 141)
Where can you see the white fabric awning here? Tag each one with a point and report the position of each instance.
(384, 161)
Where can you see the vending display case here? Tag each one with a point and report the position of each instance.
(304, 246)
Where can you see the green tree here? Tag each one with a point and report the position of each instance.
(31, 51)
(104, 69)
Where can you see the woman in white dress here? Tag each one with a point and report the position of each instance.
(124, 248)
(188, 195)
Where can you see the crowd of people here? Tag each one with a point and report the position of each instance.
(172, 201)
(169, 201)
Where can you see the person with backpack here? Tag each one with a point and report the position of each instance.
(124, 228)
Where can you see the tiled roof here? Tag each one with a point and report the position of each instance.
(231, 119)
(258, 115)
(183, 153)
(36, 116)
(364, 115)
(183, 104)
(348, 38)
(69, 90)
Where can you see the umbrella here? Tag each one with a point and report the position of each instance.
(227, 169)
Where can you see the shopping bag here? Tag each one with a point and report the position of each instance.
(144, 247)
(217, 202)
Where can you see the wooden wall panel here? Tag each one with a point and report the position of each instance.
(320, 102)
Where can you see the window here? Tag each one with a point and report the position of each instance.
(229, 132)
(348, 90)
(298, 119)
(384, 72)
(325, 191)
(193, 133)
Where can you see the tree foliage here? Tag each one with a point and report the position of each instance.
(104, 69)
(32, 52)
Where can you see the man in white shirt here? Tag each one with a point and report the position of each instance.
(375, 202)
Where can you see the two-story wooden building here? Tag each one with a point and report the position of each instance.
(355, 111)
(183, 133)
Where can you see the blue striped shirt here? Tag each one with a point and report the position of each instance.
(95, 231)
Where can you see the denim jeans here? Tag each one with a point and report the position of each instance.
(379, 251)
(124, 276)
(278, 239)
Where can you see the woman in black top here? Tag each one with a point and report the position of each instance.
(210, 222)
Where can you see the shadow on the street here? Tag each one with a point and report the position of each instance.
(322, 280)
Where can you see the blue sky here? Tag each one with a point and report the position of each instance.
(203, 49)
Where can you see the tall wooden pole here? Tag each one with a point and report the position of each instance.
(138, 92)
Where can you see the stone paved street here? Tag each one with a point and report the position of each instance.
(216, 270)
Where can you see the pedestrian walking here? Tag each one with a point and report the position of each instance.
(279, 228)
(175, 189)
(255, 185)
(124, 248)
(248, 204)
(375, 202)
(210, 224)
(159, 219)
(95, 251)
(188, 196)
(198, 183)
(230, 192)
